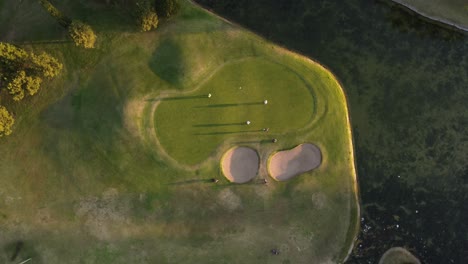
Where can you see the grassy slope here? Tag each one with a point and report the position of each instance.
(451, 11)
(83, 183)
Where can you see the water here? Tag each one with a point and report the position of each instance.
(407, 85)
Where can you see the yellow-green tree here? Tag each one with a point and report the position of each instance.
(6, 122)
(146, 15)
(22, 72)
(82, 34)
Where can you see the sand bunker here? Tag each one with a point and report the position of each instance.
(240, 164)
(284, 165)
(397, 255)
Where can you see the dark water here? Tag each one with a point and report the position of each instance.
(407, 85)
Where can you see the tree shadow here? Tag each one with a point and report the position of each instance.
(20, 251)
(263, 141)
(167, 63)
(193, 181)
(229, 105)
(220, 125)
(226, 132)
(176, 98)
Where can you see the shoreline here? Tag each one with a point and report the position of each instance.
(442, 21)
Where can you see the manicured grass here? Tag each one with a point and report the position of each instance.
(452, 11)
(84, 180)
(238, 92)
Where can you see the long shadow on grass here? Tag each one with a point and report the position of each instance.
(228, 105)
(226, 132)
(176, 98)
(263, 141)
(220, 125)
(19, 251)
(193, 181)
(167, 62)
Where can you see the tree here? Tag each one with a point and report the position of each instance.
(47, 65)
(22, 72)
(82, 34)
(166, 8)
(149, 21)
(146, 15)
(22, 83)
(6, 122)
(53, 11)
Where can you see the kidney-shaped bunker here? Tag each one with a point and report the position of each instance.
(287, 164)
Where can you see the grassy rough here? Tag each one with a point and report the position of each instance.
(84, 182)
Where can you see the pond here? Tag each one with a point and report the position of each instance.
(407, 84)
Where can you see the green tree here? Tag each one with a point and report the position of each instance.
(6, 122)
(166, 8)
(82, 34)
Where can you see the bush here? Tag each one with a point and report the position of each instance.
(6, 122)
(82, 34)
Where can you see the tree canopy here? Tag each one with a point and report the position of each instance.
(82, 34)
(22, 72)
(6, 122)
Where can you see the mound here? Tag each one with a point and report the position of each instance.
(287, 164)
(240, 164)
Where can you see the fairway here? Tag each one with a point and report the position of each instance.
(238, 92)
(120, 159)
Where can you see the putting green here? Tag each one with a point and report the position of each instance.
(238, 91)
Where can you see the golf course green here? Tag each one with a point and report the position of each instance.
(238, 91)
(118, 159)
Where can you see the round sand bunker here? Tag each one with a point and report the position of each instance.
(240, 164)
(287, 164)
